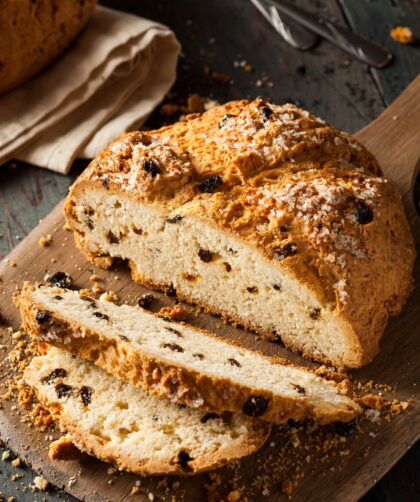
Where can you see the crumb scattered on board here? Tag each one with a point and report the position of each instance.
(40, 483)
(175, 313)
(402, 35)
(109, 296)
(45, 241)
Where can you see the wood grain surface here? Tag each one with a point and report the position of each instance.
(218, 33)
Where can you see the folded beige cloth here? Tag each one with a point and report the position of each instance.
(108, 82)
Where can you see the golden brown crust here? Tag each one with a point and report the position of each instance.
(163, 378)
(310, 198)
(33, 34)
(236, 141)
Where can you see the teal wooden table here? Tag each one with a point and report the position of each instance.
(219, 35)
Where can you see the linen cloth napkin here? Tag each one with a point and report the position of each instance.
(108, 82)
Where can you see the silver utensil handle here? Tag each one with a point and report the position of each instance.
(358, 46)
(293, 33)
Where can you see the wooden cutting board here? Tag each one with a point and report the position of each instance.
(394, 137)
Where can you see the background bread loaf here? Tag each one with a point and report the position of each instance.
(34, 32)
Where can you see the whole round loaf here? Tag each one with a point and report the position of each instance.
(34, 32)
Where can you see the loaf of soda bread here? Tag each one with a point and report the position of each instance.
(34, 32)
(124, 425)
(262, 214)
(178, 361)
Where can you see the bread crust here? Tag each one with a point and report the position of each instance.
(163, 378)
(33, 34)
(293, 180)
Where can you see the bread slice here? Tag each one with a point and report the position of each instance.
(125, 425)
(263, 214)
(178, 361)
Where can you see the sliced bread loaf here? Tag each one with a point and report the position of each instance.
(178, 361)
(260, 213)
(125, 425)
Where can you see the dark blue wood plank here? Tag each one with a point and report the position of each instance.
(375, 19)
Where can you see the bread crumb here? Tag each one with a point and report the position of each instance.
(175, 313)
(85, 292)
(233, 496)
(40, 483)
(110, 296)
(372, 401)
(6, 455)
(94, 277)
(111, 471)
(17, 335)
(63, 449)
(66, 227)
(195, 104)
(402, 35)
(220, 77)
(373, 415)
(45, 241)
(97, 289)
(398, 406)
(135, 490)
(16, 462)
(287, 487)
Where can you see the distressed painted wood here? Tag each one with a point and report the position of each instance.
(217, 33)
(375, 20)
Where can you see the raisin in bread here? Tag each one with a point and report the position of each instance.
(128, 427)
(34, 33)
(263, 214)
(178, 361)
